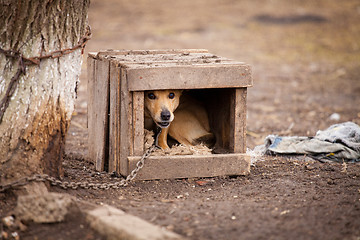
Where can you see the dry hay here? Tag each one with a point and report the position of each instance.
(178, 149)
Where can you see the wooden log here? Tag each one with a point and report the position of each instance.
(188, 166)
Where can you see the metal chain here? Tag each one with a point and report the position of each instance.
(86, 185)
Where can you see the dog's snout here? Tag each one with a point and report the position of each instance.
(165, 115)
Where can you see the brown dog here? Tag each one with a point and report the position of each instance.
(186, 121)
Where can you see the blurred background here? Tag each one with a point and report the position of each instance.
(305, 54)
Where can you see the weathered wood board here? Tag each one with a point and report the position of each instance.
(98, 107)
(114, 118)
(172, 76)
(237, 133)
(90, 106)
(189, 166)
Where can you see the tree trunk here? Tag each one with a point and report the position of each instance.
(34, 125)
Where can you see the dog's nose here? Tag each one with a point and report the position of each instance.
(165, 115)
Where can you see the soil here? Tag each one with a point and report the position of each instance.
(306, 60)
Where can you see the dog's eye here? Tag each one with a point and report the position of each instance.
(171, 95)
(151, 96)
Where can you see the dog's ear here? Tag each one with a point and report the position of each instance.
(179, 92)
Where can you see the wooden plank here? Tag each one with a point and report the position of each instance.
(146, 52)
(138, 123)
(138, 58)
(237, 132)
(124, 123)
(91, 76)
(130, 125)
(114, 118)
(188, 166)
(101, 104)
(189, 77)
(139, 61)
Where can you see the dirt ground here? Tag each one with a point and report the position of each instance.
(306, 66)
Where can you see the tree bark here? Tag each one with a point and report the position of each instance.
(34, 125)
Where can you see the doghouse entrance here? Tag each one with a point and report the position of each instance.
(225, 118)
(219, 104)
(117, 82)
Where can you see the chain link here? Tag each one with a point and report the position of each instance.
(85, 185)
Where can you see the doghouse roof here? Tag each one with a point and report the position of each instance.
(177, 69)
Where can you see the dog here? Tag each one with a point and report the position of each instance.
(182, 117)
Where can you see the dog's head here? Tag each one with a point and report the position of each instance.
(161, 104)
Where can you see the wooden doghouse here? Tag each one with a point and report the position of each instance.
(117, 81)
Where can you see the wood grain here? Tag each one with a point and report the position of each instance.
(91, 76)
(189, 77)
(237, 143)
(125, 123)
(114, 118)
(188, 166)
(101, 110)
(138, 123)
